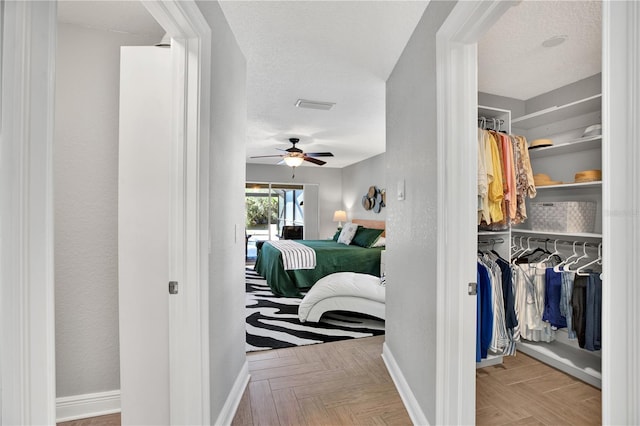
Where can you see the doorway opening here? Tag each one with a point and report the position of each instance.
(273, 212)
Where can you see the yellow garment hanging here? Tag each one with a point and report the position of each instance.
(496, 191)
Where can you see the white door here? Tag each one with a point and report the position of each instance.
(143, 233)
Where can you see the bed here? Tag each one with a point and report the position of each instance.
(331, 257)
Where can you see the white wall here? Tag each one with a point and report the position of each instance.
(227, 218)
(329, 181)
(356, 180)
(411, 224)
(86, 208)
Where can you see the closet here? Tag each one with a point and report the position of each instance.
(566, 170)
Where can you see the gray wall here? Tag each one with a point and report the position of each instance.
(356, 180)
(565, 94)
(227, 175)
(86, 208)
(411, 224)
(329, 181)
(516, 106)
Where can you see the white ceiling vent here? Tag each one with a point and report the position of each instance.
(303, 103)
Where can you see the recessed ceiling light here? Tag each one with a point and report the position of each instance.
(303, 103)
(554, 41)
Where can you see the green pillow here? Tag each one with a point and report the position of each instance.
(337, 235)
(365, 237)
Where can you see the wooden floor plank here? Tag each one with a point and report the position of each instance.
(263, 364)
(243, 416)
(272, 373)
(289, 411)
(263, 407)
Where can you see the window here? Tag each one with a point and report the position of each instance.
(269, 207)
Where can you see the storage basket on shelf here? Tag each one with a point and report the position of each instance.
(563, 216)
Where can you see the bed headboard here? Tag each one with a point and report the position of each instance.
(373, 224)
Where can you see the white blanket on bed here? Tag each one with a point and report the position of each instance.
(295, 255)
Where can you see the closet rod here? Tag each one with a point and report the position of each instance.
(491, 241)
(552, 240)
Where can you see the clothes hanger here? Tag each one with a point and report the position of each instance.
(493, 250)
(521, 250)
(529, 257)
(516, 248)
(525, 250)
(513, 244)
(567, 267)
(598, 260)
(564, 262)
(554, 253)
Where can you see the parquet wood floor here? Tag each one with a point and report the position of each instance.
(346, 383)
(339, 383)
(522, 390)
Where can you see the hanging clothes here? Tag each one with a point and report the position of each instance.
(484, 323)
(553, 295)
(586, 302)
(505, 179)
(529, 286)
(501, 340)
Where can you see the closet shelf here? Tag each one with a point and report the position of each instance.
(576, 145)
(558, 234)
(585, 185)
(489, 361)
(577, 362)
(558, 113)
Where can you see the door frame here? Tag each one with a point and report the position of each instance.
(456, 240)
(27, 311)
(189, 230)
(456, 103)
(27, 355)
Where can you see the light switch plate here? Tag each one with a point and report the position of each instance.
(401, 190)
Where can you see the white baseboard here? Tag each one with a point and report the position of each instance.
(233, 400)
(87, 405)
(408, 398)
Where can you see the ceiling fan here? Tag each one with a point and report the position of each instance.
(294, 157)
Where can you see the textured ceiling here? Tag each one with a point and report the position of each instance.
(343, 51)
(335, 51)
(120, 16)
(512, 61)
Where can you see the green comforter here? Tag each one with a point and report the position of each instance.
(330, 257)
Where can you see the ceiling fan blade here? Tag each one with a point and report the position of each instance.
(318, 154)
(267, 156)
(314, 161)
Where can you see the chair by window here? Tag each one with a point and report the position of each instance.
(292, 232)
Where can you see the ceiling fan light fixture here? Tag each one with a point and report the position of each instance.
(304, 103)
(293, 161)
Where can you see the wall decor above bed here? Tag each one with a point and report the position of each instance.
(374, 199)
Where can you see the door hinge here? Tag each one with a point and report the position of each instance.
(473, 289)
(173, 287)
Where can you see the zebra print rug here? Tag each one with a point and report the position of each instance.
(272, 321)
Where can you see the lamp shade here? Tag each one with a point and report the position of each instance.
(340, 216)
(292, 161)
